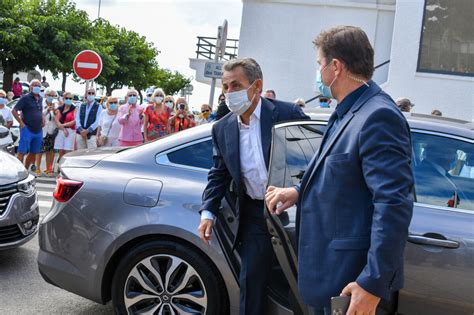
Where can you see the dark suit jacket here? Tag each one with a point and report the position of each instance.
(226, 151)
(356, 203)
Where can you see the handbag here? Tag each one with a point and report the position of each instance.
(102, 140)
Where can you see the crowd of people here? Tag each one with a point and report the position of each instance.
(51, 123)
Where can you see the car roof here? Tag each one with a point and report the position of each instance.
(416, 121)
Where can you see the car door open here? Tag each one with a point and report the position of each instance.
(293, 146)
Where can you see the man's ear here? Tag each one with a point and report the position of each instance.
(259, 85)
(338, 66)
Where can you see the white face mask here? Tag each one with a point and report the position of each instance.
(159, 99)
(238, 102)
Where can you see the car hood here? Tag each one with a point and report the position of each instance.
(11, 169)
(87, 158)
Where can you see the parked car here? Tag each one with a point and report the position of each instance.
(19, 210)
(123, 225)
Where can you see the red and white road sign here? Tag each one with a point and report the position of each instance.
(87, 65)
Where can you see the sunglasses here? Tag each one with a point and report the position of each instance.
(149, 95)
(132, 95)
(323, 100)
(113, 103)
(205, 111)
(68, 98)
(90, 93)
(169, 102)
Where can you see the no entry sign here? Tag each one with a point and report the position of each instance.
(87, 65)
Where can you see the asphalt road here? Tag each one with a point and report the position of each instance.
(23, 291)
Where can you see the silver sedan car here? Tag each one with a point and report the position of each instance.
(123, 226)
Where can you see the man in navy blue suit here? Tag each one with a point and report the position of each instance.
(355, 199)
(241, 141)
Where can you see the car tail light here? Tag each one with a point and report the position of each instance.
(66, 189)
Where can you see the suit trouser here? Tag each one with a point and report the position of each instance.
(256, 253)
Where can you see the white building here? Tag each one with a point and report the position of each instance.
(434, 73)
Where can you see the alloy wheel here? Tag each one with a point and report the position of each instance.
(164, 285)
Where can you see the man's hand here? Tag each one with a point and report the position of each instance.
(362, 302)
(286, 196)
(22, 125)
(84, 133)
(205, 230)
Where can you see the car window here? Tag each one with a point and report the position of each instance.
(444, 171)
(195, 155)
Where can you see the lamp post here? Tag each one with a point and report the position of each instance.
(98, 13)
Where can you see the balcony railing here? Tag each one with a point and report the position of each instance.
(206, 48)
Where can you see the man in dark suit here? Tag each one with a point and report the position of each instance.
(241, 142)
(355, 199)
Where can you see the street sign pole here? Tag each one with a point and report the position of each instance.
(220, 50)
(216, 59)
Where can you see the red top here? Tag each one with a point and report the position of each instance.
(157, 123)
(67, 116)
(17, 88)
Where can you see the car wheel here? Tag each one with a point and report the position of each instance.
(166, 277)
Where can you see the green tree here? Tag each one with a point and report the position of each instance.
(171, 82)
(20, 47)
(63, 31)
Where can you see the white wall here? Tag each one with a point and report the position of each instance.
(453, 95)
(279, 35)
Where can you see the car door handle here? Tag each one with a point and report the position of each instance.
(424, 240)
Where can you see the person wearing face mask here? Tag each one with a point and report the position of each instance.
(149, 98)
(157, 115)
(31, 123)
(203, 118)
(182, 118)
(87, 119)
(66, 122)
(6, 118)
(324, 102)
(131, 119)
(169, 102)
(50, 131)
(241, 142)
(109, 126)
(365, 162)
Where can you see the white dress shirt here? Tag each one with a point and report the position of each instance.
(252, 163)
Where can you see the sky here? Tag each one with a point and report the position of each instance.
(172, 26)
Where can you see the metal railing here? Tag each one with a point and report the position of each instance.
(206, 48)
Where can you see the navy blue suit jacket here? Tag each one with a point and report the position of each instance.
(356, 203)
(226, 151)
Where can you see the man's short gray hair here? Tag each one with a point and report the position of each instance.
(251, 68)
(35, 81)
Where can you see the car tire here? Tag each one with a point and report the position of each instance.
(177, 264)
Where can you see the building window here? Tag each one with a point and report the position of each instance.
(447, 38)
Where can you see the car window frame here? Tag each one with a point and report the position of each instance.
(163, 159)
(445, 135)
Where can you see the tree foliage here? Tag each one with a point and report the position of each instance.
(50, 33)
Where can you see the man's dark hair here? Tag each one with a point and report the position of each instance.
(271, 91)
(351, 46)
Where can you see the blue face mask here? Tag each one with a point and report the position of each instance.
(324, 104)
(68, 102)
(113, 106)
(3, 101)
(132, 100)
(91, 98)
(49, 99)
(36, 90)
(324, 89)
